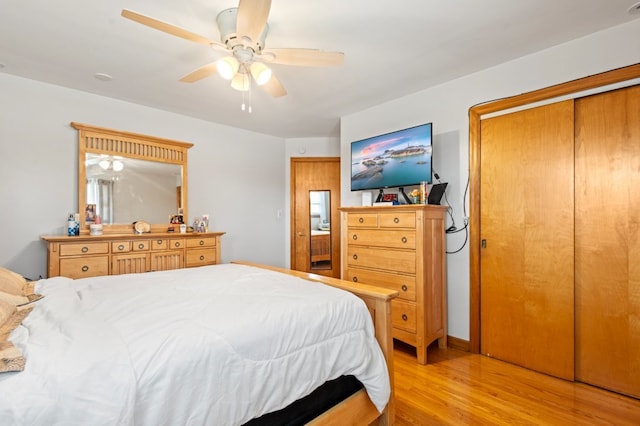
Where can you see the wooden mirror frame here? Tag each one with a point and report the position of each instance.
(99, 140)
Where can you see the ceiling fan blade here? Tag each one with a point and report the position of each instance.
(274, 87)
(169, 29)
(252, 18)
(303, 57)
(200, 73)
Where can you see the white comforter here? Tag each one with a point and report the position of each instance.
(216, 345)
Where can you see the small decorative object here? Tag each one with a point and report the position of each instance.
(183, 228)
(424, 192)
(90, 213)
(73, 226)
(95, 229)
(205, 219)
(141, 227)
(415, 196)
(176, 219)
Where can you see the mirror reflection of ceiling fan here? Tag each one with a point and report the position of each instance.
(242, 36)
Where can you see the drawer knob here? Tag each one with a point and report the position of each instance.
(404, 287)
(396, 220)
(85, 268)
(201, 242)
(355, 237)
(404, 240)
(159, 241)
(85, 249)
(177, 244)
(404, 317)
(121, 247)
(355, 257)
(354, 279)
(361, 220)
(201, 257)
(140, 246)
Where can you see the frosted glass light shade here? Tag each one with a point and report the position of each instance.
(241, 82)
(227, 67)
(261, 73)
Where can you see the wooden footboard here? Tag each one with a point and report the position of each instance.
(358, 409)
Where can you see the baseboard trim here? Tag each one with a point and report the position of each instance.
(460, 344)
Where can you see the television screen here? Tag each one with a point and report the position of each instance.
(396, 159)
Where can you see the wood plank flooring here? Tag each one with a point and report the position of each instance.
(459, 388)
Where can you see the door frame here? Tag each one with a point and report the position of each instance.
(573, 87)
(334, 214)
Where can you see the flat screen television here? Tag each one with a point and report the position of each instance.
(397, 159)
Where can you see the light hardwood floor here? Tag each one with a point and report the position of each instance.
(459, 388)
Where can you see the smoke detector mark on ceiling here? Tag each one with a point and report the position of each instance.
(102, 76)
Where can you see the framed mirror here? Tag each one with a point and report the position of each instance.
(126, 177)
(320, 226)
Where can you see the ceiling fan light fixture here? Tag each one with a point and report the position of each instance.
(241, 82)
(118, 165)
(104, 164)
(227, 67)
(261, 73)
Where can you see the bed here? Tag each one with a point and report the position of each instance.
(222, 344)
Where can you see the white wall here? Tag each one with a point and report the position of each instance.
(447, 107)
(238, 177)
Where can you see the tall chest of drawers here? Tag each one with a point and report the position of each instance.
(401, 248)
(89, 256)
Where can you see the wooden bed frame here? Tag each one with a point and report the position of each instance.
(358, 409)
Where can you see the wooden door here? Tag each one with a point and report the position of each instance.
(526, 259)
(608, 240)
(320, 176)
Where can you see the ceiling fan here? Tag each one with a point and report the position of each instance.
(242, 36)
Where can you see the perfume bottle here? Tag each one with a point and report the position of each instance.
(73, 226)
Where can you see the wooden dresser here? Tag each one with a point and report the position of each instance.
(401, 248)
(88, 256)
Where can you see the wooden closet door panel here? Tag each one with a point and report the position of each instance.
(608, 240)
(526, 205)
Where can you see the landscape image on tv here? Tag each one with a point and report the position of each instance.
(401, 158)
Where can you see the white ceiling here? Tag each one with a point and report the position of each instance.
(392, 48)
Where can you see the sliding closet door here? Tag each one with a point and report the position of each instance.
(527, 257)
(608, 240)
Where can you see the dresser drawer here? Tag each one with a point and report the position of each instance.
(405, 239)
(159, 244)
(90, 266)
(405, 285)
(397, 220)
(177, 243)
(141, 245)
(362, 220)
(403, 315)
(201, 242)
(200, 257)
(120, 246)
(379, 258)
(76, 249)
